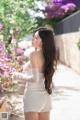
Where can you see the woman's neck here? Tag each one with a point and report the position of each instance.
(38, 49)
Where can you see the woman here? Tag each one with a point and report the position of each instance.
(37, 96)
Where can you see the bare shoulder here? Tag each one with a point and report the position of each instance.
(37, 60)
(34, 54)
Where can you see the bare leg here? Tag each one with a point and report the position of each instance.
(31, 116)
(44, 116)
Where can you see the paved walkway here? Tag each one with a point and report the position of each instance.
(66, 96)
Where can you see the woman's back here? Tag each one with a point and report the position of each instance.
(37, 60)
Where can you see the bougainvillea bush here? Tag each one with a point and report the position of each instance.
(59, 8)
(8, 66)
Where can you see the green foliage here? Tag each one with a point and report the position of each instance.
(13, 14)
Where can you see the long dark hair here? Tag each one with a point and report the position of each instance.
(49, 53)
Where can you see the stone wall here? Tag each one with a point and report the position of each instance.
(68, 49)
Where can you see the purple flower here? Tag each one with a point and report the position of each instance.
(59, 8)
(54, 7)
(57, 1)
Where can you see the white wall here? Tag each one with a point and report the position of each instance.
(69, 52)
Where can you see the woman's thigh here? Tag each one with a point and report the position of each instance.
(44, 116)
(31, 116)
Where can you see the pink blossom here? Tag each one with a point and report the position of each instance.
(71, 6)
(19, 51)
(64, 8)
(8, 57)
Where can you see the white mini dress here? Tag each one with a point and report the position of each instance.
(36, 98)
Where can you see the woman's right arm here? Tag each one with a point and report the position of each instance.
(27, 73)
(22, 76)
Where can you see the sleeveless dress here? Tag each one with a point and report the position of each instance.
(36, 98)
